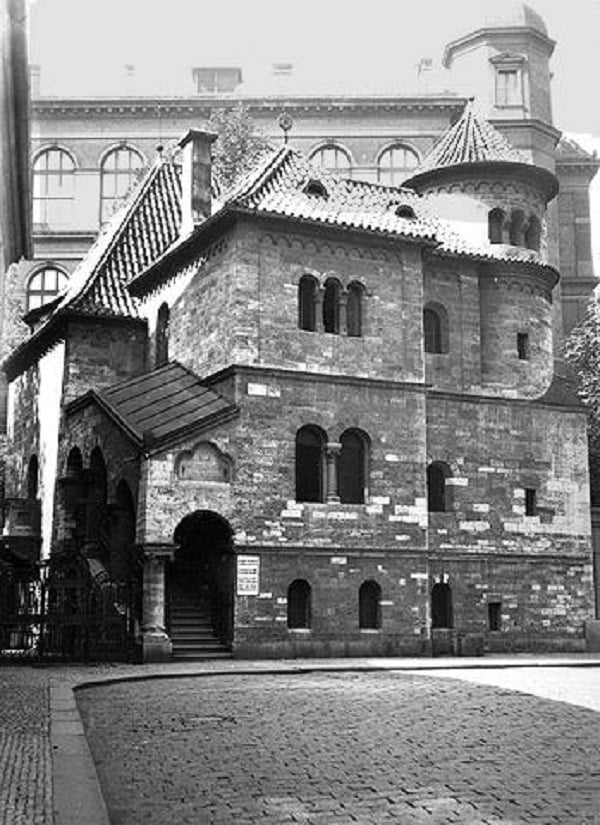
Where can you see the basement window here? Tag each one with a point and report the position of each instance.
(494, 616)
(530, 501)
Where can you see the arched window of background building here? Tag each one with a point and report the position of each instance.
(441, 606)
(53, 189)
(435, 328)
(369, 605)
(331, 306)
(352, 467)
(299, 604)
(437, 500)
(33, 470)
(120, 169)
(496, 226)
(307, 303)
(44, 285)
(310, 463)
(395, 163)
(332, 157)
(354, 310)
(162, 336)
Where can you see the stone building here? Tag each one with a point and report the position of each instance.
(319, 417)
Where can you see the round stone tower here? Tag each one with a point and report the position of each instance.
(496, 199)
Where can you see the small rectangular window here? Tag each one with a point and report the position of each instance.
(523, 345)
(530, 501)
(494, 616)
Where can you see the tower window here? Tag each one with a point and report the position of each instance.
(352, 467)
(508, 87)
(354, 310)
(494, 616)
(331, 306)
(496, 219)
(530, 501)
(307, 303)
(523, 345)
(437, 473)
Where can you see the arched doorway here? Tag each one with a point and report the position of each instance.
(443, 638)
(202, 571)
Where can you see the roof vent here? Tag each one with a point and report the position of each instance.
(405, 211)
(316, 189)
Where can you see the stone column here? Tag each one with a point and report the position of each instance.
(343, 316)
(333, 450)
(156, 644)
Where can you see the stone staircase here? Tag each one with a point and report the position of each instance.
(191, 628)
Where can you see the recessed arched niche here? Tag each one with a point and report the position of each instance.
(205, 462)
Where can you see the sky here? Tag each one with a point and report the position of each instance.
(82, 47)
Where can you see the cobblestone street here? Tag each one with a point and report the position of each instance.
(340, 748)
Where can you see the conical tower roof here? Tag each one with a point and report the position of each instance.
(473, 142)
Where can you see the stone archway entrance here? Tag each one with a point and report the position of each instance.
(200, 581)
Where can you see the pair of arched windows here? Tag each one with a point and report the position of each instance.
(514, 228)
(299, 605)
(331, 471)
(435, 328)
(393, 164)
(54, 183)
(330, 309)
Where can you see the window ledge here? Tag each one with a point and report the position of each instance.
(300, 630)
(370, 630)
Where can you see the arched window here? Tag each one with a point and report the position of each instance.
(354, 310)
(352, 467)
(496, 226)
(441, 606)
(369, 605)
(162, 336)
(33, 477)
(74, 463)
(310, 463)
(53, 189)
(517, 228)
(307, 303)
(316, 189)
(533, 234)
(331, 306)
(298, 604)
(96, 501)
(437, 473)
(332, 157)
(44, 285)
(435, 328)
(120, 169)
(394, 164)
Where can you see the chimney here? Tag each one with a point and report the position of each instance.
(424, 73)
(282, 75)
(129, 69)
(35, 74)
(196, 178)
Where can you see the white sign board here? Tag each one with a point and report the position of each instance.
(248, 575)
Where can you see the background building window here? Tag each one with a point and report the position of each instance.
(307, 303)
(310, 463)
(53, 189)
(533, 234)
(352, 467)
(299, 605)
(121, 168)
(395, 163)
(508, 87)
(332, 157)
(369, 605)
(44, 285)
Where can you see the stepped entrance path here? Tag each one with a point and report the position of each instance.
(340, 748)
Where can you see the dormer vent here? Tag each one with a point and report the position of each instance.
(316, 189)
(405, 211)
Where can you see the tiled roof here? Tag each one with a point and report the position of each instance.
(162, 404)
(472, 139)
(568, 149)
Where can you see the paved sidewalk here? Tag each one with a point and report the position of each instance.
(38, 719)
